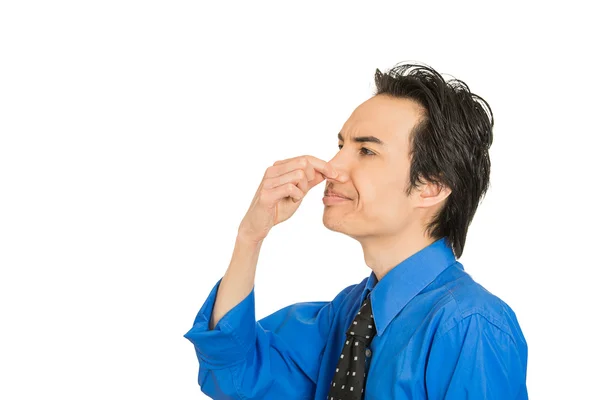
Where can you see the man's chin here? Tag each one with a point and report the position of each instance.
(333, 223)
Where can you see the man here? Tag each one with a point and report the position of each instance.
(412, 167)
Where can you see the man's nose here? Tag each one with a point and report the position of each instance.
(344, 173)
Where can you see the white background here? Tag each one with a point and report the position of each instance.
(135, 133)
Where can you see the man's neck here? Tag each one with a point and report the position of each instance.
(381, 254)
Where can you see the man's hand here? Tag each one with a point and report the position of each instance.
(281, 191)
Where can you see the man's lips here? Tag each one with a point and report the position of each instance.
(332, 193)
(337, 195)
(331, 199)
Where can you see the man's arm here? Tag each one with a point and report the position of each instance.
(476, 359)
(238, 281)
(240, 357)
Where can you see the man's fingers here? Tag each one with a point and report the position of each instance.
(289, 165)
(322, 166)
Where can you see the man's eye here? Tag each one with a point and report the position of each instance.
(364, 150)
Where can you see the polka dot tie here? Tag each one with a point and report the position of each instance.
(350, 374)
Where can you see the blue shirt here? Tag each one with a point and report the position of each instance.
(440, 335)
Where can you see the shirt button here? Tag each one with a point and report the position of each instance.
(368, 352)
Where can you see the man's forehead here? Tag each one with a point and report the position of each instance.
(387, 118)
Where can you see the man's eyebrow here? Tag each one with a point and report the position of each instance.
(363, 139)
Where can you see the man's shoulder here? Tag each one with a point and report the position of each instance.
(468, 299)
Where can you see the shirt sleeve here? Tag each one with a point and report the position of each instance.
(276, 357)
(477, 360)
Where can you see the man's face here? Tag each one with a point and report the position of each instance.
(378, 173)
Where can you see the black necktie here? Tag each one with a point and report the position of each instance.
(350, 375)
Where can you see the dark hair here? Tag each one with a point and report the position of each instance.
(448, 146)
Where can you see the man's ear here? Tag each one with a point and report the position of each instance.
(431, 194)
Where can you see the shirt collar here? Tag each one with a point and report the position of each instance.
(403, 282)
